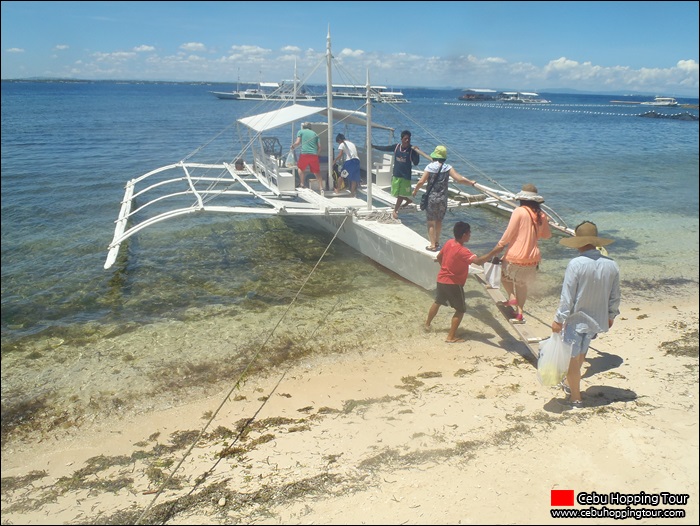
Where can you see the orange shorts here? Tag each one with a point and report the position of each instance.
(309, 161)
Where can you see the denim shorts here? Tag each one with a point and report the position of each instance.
(580, 341)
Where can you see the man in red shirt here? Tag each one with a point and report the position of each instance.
(454, 259)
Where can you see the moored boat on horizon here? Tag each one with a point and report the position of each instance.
(661, 101)
(377, 93)
(522, 97)
(268, 91)
(478, 95)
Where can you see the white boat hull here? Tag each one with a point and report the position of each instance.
(392, 245)
(238, 95)
(661, 101)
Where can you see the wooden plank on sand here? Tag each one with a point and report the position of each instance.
(524, 333)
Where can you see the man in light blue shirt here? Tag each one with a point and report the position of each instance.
(590, 300)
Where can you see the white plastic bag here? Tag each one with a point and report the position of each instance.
(553, 361)
(291, 161)
(492, 273)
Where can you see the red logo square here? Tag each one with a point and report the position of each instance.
(562, 497)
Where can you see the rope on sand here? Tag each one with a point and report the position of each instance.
(237, 384)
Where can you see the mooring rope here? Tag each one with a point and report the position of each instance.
(238, 382)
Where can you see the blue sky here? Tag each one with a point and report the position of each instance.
(622, 47)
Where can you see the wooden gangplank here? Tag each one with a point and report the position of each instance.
(524, 332)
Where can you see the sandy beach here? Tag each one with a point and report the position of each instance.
(408, 430)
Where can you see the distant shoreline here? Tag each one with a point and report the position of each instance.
(228, 83)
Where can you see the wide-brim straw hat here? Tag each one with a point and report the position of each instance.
(585, 234)
(529, 193)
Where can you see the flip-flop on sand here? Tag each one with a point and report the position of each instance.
(457, 340)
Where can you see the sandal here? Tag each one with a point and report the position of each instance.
(431, 249)
(518, 319)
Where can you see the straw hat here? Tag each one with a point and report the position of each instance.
(439, 153)
(585, 234)
(529, 193)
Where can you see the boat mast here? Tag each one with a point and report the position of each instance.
(329, 104)
(294, 93)
(294, 99)
(369, 144)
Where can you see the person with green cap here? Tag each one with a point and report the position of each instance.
(437, 174)
(589, 302)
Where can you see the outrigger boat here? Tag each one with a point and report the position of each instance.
(267, 91)
(266, 186)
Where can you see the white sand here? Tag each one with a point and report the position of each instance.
(410, 431)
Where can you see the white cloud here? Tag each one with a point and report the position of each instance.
(587, 76)
(119, 56)
(395, 69)
(347, 52)
(193, 47)
(250, 50)
(688, 65)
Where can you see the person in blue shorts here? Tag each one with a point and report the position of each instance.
(351, 166)
(589, 302)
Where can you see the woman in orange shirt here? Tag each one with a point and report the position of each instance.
(528, 224)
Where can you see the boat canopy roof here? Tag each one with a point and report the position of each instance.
(480, 90)
(356, 86)
(289, 114)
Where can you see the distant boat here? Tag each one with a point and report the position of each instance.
(522, 97)
(265, 91)
(478, 95)
(661, 101)
(377, 93)
(392, 96)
